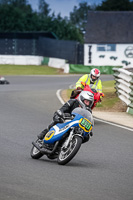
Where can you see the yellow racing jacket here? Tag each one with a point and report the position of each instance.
(86, 78)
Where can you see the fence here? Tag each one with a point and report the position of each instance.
(41, 44)
(124, 86)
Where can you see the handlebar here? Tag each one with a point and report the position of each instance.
(68, 116)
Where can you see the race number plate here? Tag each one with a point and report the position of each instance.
(85, 124)
(49, 135)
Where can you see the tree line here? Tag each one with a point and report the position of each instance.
(18, 16)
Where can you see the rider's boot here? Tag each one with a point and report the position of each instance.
(42, 134)
(91, 133)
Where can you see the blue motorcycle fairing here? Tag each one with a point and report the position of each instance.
(57, 131)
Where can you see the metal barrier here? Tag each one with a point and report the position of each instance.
(124, 86)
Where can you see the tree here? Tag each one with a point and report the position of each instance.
(79, 15)
(17, 15)
(17, 3)
(115, 5)
(15, 19)
(22, 4)
(44, 9)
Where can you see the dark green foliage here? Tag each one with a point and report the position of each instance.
(79, 15)
(15, 19)
(17, 15)
(44, 9)
(116, 5)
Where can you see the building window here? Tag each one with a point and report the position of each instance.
(106, 47)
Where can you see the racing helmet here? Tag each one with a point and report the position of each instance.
(86, 99)
(95, 73)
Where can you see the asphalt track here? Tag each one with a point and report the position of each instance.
(102, 169)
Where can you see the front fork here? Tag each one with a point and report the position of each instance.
(71, 135)
(69, 138)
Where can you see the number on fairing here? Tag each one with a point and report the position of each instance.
(85, 124)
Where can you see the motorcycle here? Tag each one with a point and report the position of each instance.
(64, 140)
(97, 95)
(3, 80)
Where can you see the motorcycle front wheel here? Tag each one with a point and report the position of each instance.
(35, 153)
(66, 154)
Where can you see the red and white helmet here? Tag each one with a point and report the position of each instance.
(94, 74)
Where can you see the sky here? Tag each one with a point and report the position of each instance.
(64, 7)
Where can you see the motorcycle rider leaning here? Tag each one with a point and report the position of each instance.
(92, 78)
(85, 100)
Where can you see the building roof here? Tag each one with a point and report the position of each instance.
(109, 27)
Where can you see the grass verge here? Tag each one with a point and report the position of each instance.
(28, 70)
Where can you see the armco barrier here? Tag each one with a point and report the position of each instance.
(124, 86)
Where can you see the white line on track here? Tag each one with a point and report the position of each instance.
(113, 124)
(59, 97)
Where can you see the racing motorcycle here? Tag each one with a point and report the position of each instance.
(3, 80)
(64, 140)
(97, 95)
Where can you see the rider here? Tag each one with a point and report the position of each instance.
(85, 100)
(92, 78)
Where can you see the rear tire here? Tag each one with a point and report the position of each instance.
(35, 153)
(66, 155)
(7, 82)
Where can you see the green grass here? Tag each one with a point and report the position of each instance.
(27, 70)
(110, 98)
(108, 86)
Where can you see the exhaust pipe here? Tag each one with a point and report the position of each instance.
(45, 151)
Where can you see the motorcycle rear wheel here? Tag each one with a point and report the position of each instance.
(35, 153)
(66, 155)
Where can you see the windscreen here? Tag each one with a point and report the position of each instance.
(85, 113)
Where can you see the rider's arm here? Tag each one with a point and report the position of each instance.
(99, 86)
(66, 108)
(60, 114)
(82, 79)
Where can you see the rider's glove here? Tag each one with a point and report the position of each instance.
(58, 116)
(79, 88)
(75, 93)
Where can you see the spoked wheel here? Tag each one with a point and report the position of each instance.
(66, 154)
(35, 153)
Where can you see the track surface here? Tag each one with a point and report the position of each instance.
(102, 169)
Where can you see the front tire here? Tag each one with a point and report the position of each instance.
(66, 155)
(35, 153)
